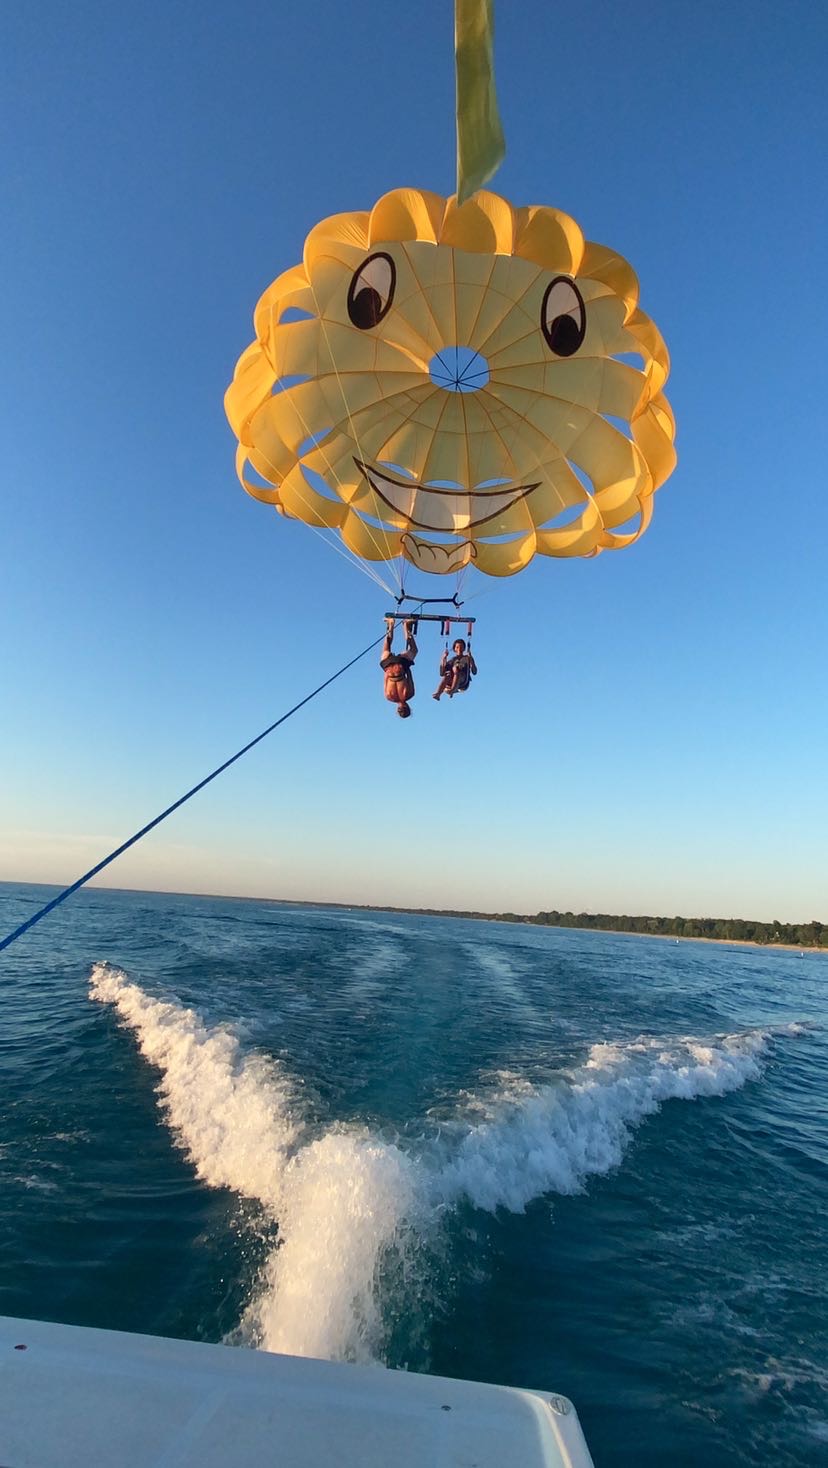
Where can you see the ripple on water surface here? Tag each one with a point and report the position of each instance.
(578, 1161)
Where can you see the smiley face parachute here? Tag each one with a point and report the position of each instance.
(466, 384)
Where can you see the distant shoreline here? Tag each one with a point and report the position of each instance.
(728, 942)
(494, 917)
(512, 919)
(527, 922)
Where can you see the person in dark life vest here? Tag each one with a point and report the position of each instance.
(399, 680)
(456, 672)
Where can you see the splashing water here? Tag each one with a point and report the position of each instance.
(553, 1138)
(346, 1199)
(339, 1199)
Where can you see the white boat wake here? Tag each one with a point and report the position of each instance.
(346, 1200)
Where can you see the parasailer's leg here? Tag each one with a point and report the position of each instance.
(446, 674)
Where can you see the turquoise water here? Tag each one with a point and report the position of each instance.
(577, 1161)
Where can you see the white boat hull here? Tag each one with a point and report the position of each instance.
(71, 1397)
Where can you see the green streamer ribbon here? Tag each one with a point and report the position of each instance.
(481, 146)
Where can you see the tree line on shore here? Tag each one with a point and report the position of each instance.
(802, 935)
(734, 930)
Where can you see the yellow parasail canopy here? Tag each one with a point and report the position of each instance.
(456, 385)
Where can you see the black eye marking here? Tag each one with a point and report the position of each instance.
(563, 316)
(372, 291)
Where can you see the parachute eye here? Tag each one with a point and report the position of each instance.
(563, 316)
(372, 291)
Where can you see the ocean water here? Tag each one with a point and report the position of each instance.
(572, 1161)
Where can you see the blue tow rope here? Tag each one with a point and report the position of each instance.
(93, 872)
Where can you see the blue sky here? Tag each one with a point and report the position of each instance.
(161, 164)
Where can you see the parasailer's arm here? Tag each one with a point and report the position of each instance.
(410, 644)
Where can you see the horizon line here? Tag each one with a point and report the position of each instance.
(420, 911)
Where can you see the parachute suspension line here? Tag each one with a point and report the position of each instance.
(389, 555)
(347, 555)
(125, 845)
(459, 584)
(336, 542)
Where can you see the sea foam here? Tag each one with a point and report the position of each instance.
(341, 1200)
(346, 1199)
(551, 1139)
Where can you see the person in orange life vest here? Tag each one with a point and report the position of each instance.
(456, 673)
(399, 680)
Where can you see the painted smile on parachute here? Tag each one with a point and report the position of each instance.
(429, 507)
